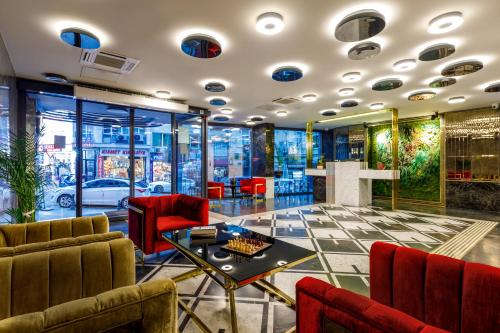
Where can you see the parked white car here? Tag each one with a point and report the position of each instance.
(162, 186)
(98, 192)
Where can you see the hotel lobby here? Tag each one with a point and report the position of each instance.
(250, 166)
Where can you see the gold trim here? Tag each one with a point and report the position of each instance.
(442, 161)
(201, 325)
(395, 158)
(309, 144)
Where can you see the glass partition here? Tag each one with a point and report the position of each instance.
(229, 154)
(290, 161)
(5, 194)
(189, 155)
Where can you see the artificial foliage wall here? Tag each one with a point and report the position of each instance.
(419, 159)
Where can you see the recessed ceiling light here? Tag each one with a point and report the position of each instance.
(309, 98)
(346, 92)
(287, 74)
(328, 112)
(462, 68)
(436, 52)
(404, 65)
(456, 100)
(495, 87)
(256, 118)
(270, 23)
(360, 25)
(351, 77)
(442, 82)
(250, 123)
(201, 46)
(364, 51)
(387, 84)
(57, 78)
(214, 86)
(445, 23)
(376, 106)
(226, 111)
(80, 38)
(162, 94)
(281, 113)
(421, 96)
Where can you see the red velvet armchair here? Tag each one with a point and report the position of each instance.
(149, 217)
(410, 292)
(253, 186)
(215, 190)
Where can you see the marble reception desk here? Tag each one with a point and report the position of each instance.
(347, 183)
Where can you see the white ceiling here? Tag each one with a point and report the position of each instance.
(148, 30)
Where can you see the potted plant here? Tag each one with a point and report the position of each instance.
(20, 171)
(321, 162)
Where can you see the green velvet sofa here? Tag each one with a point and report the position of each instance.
(48, 235)
(87, 288)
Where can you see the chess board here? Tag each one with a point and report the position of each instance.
(242, 246)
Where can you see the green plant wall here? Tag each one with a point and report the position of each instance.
(419, 159)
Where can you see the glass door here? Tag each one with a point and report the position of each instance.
(189, 155)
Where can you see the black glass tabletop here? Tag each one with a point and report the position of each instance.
(241, 268)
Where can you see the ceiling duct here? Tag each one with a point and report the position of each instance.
(114, 96)
(286, 100)
(108, 61)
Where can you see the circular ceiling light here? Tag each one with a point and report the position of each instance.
(495, 87)
(351, 77)
(217, 102)
(221, 117)
(442, 82)
(162, 94)
(226, 111)
(215, 87)
(57, 78)
(421, 96)
(456, 100)
(387, 84)
(436, 52)
(256, 118)
(80, 38)
(270, 23)
(250, 123)
(287, 74)
(364, 51)
(445, 23)
(201, 46)
(376, 106)
(309, 98)
(328, 113)
(349, 103)
(346, 92)
(462, 68)
(281, 113)
(359, 26)
(404, 65)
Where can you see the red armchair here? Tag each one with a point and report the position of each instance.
(215, 190)
(149, 217)
(411, 292)
(253, 186)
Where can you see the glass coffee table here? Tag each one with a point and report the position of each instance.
(232, 270)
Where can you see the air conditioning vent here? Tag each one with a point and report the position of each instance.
(108, 61)
(286, 100)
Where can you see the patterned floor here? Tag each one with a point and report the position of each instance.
(341, 236)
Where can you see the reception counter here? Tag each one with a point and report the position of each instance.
(347, 183)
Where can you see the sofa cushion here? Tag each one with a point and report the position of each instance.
(174, 222)
(392, 320)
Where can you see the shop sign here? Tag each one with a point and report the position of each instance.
(122, 152)
(49, 148)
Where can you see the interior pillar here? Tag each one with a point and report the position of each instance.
(395, 158)
(263, 155)
(309, 144)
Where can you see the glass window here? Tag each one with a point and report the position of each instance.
(228, 153)
(57, 154)
(189, 155)
(290, 161)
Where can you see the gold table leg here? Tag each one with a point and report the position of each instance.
(232, 304)
(273, 290)
(201, 325)
(187, 275)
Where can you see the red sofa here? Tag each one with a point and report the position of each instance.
(215, 190)
(150, 216)
(410, 292)
(253, 186)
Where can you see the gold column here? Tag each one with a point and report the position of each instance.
(395, 158)
(442, 171)
(309, 144)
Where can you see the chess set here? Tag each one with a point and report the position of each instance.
(246, 246)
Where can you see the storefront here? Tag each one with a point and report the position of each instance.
(114, 163)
